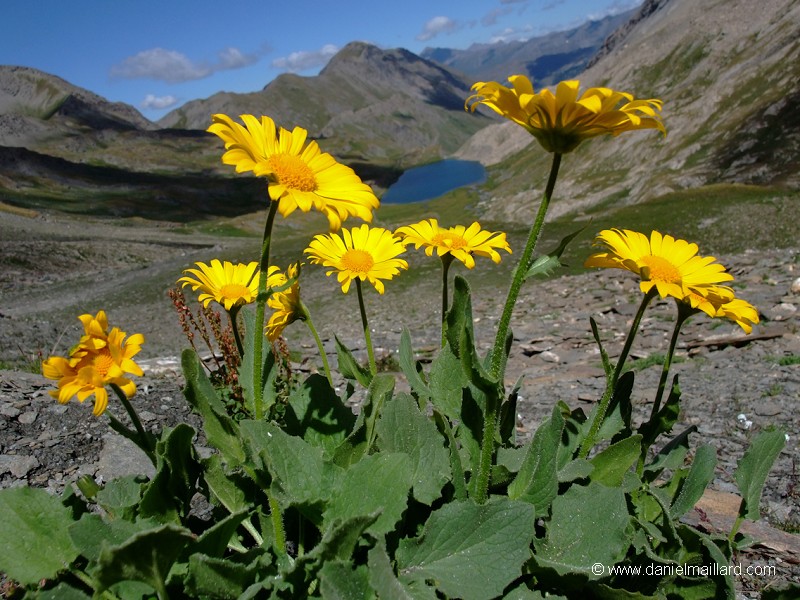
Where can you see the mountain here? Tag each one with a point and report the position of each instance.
(546, 59)
(728, 72)
(368, 104)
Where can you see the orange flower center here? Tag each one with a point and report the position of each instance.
(234, 291)
(449, 240)
(102, 362)
(660, 269)
(293, 172)
(358, 261)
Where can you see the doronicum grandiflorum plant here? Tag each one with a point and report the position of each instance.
(419, 494)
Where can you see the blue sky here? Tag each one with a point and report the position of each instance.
(156, 55)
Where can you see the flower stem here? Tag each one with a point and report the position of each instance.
(370, 351)
(232, 313)
(447, 260)
(498, 354)
(261, 301)
(600, 414)
(145, 444)
(684, 312)
(306, 317)
(279, 536)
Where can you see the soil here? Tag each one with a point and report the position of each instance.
(53, 268)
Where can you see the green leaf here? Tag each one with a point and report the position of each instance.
(214, 540)
(665, 420)
(146, 556)
(209, 577)
(226, 488)
(472, 551)
(447, 381)
(459, 317)
(349, 367)
(696, 482)
(547, 263)
(269, 370)
(671, 456)
(753, 468)
(377, 483)
(589, 525)
(537, 480)
(382, 577)
(221, 431)
(316, 414)
(608, 368)
(456, 467)
(613, 462)
(409, 366)
(35, 543)
(339, 580)
(403, 428)
(120, 497)
(62, 592)
(91, 533)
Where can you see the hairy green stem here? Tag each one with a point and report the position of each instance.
(481, 489)
(373, 368)
(145, 441)
(498, 351)
(447, 260)
(305, 316)
(261, 301)
(684, 312)
(277, 524)
(600, 414)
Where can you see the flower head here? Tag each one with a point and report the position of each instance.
(720, 302)
(300, 175)
(362, 253)
(89, 368)
(285, 303)
(561, 121)
(459, 241)
(226, 283)
(671, 266)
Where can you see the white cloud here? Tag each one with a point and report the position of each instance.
(491, 18)
(303, 60)
(158, 102)
(173, 67)
(436, 26)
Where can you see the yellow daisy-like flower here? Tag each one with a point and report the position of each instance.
(459, 241)
(561, 121)
(286, 303)
(231, 285)
(720, 302)
(87, 371)
(300, 176)
(671, 266)
(364, 253)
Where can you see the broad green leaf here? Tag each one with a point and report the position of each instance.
(403, 428)
(382, 577)
(671, 456)
(613, 462)
(35, 543)
(339, 580)
(349, 367)
(537, 480)
(146, 556)
(209, 577)
(472, 551)
(753, 468)
(696, 482)
(377, 483)
(120, 497)
(62, 592)
(91, 533)
(221, 431)
(617, 421)
(459, 316)
(360, 441)
(447, 381)
(317, 414)
(269, 370)
(545, 265)
(589, 525)
(456, 467)
(227, 489)
(214, 540)
(409, 366)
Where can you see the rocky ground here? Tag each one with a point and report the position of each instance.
(733, 384)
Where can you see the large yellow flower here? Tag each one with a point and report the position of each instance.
(226, 283)
(88, 370)
(300, 176)
(671, 266)
(459, 241)
(285, 303)
(364, 253)
(561, 121)
(719, 302)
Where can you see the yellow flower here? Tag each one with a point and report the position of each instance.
(719, 301)
(300, 176)
(228, 284)
(362, 253)
(459, 241)
(88, 370)
(561, 121)
(671, 266)
(285, 303)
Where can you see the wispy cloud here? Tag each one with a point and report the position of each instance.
(171, 66)
(490, 18)
(436, 26)
(305, 60)
(158, 102)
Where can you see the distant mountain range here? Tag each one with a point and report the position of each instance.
(727, 70)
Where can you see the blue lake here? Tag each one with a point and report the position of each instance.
(433, 180)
